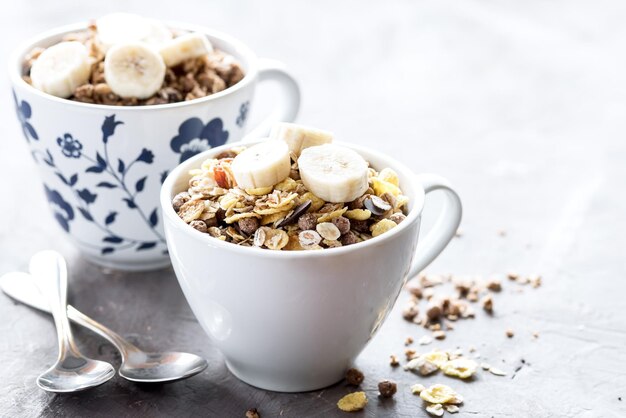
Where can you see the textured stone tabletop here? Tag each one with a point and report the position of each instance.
(520, 104)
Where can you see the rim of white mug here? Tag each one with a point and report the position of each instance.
(236, 47)
(195, 161)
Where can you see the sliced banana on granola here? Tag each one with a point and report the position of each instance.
(262, 165)
(181, 48)
(134, 70)
(333, 172)
(299, 137)
(61, 68)
(119, 28)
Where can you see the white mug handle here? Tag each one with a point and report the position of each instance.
(286, 109)
(445, 227)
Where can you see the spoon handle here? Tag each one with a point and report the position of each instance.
(124, 347)
(49, 271)
(21, 286)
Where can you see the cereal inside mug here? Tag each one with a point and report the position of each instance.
(124, 59)
(294, 191)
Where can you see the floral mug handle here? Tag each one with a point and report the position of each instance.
(287, 109)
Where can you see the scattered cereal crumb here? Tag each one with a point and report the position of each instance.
(535, 334)
(494, 285)
(387, 388)
(458, 233)
(435, 409)
(441, 394)
(485, 366)
(496, 371)
(453, 409)
(502, 232)
(252, 413)
(460, 367)
(393, 361)
(425, 340)
(408, 341)
(409, 353)
(352, 402)
(410, 313)
(510, 333)
(417, 388)
(354, 377)
(487, 303)
(422, 365)
(534, 280)
(512, 276)
(471, 349)
(440, 335)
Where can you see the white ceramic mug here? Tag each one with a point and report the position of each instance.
(102, 166)
(294, 321)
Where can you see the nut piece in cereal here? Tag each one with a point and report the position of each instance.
(262, 165)
(335, 173)
(299, 137)
(352, 402)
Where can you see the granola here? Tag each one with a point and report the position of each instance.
(192, 78)
(286, 216)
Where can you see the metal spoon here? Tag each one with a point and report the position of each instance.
(137, 365)
(72, 371)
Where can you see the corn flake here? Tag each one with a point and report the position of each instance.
(382, 226)
(435, 409)
(358, 214)
(316, 202)
(460, 367)
(440, 394)
(287, 185)
(259, 191)
(381, 187)
(390, 176)
(353, 402)
(331, 215)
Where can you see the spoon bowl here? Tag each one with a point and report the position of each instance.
(137, 365)
(142, 367)
(74, 374)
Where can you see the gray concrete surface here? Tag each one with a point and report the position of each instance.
(520, 104)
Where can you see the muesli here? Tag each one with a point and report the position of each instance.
(124, 59)
(294, 191)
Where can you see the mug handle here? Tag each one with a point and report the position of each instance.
(287, 109)
(445, 227)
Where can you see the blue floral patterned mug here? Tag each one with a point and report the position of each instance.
(102, 166)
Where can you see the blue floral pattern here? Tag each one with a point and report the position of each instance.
(70, 147)
(63, 212)
(243, 114)
(24, 112)
(114, 172)
(194, 137)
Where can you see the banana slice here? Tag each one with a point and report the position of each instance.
(61, 68)
(334, 173)
(262, 165)
(189, 45)
(120, 28)
(158, 33)
(299, 137)
(134, 70)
